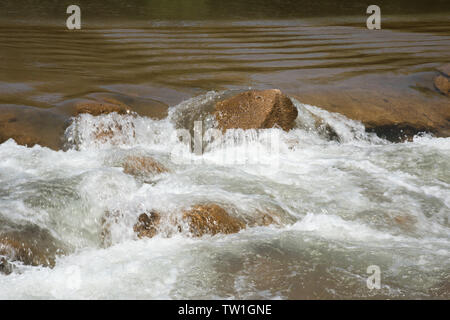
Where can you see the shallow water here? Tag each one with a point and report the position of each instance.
(342, 205)
(45, 65)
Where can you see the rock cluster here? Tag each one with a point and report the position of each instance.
(200, 220)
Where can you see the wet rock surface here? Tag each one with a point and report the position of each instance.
(147, 225)
(29, 126)
(30, 245)
(98, 108)
(442, 81)
(142, 106)
(442, 84)
(390, 114)
(211, 219)
(200, 220)
(256, 110)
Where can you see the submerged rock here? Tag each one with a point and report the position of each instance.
(442, 84)
(142, 106)
(142, 166)
(101, 103)
(106, 133)
(256, 110)
(198, 221)
(405, 221)
(5, 266)
(323, 128)
(442, 81)
(32, 246)
(106, 222)
(109, 130)
(211, 219)
(147, 225)
(263, 219)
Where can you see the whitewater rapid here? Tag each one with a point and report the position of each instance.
(343, 203)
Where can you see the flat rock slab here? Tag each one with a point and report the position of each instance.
(98, 108)
(29, 126)
(393, 115)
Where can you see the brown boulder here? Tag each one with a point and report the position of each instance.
(200, 220)
(211, 219)
(104, 103)
(442, 290)
(442, 84)
(142, 166)
(147, 225)
(31, 246)
(256, 110)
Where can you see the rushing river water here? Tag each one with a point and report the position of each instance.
(343, 204)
